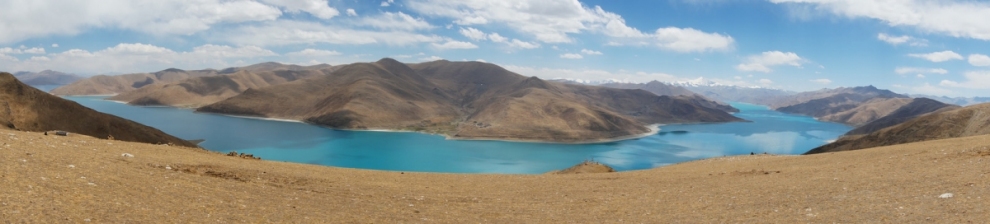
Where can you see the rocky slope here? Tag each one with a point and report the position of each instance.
(465, 100)
(959, 122)
(25, 108)
(661, 89)
(200, 91)
(46, 77)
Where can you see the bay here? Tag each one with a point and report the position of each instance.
(769, 131)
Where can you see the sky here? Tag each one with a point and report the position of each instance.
(908, 46)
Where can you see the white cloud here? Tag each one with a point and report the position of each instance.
(821, 81)
(351, 12)
(554, 21)
(571, 56)
(514, 43)
(763, 62)
(395, 21)
(55, 45)
(431, 58)
(965, 19)
(940, 56)
(592, 74)
(920, 76)
(35, 18)
(590, 52)
(22, 50)
(387, 3)
(926, 89)
(40, 58)
(690, 40)
(892, 39)
(765, 82)
(309, 52)
(451, 44)
(897, 40)
(979, 60)
(497, 38)
(318, 8)
(296, 32)
(473, 34)
(911, 70)
(974, 80)
(471, 20)
(4, 57)
(138, 57)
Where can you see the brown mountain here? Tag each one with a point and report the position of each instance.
(853, 106)
(943, 123)
(464, 100)
(46, 77)
(200, 91)
(25, 108)
(916, 107)
(662, 89)
(109, 85)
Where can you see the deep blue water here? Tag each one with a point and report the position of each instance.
(770, 131)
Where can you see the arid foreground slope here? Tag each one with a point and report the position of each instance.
(54, 179)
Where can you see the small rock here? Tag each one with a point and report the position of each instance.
(91, 184)
(168, 167)
(72, 166)
(946, 195)
(127, 155)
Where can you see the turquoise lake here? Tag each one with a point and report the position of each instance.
(770, 131)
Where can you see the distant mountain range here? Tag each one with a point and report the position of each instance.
(25, 108)
(961, 101)
(46, 77)
(116, 84)
(469, 100)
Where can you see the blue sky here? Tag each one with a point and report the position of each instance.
(909, 46)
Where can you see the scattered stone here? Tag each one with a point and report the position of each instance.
(946, 195)
(72, 166)
(91, 184)
(62, 133)
(128, 155)
(242, 155)
(168, 167)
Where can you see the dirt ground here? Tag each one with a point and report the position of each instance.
(77, 179)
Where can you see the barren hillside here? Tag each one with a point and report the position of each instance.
(55, 179)
(25, 108)
(960, 122)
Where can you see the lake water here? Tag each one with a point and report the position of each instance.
(770, 131)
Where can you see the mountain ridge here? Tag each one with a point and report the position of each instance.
(464, 100)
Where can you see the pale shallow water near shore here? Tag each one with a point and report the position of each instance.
(770, 131)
